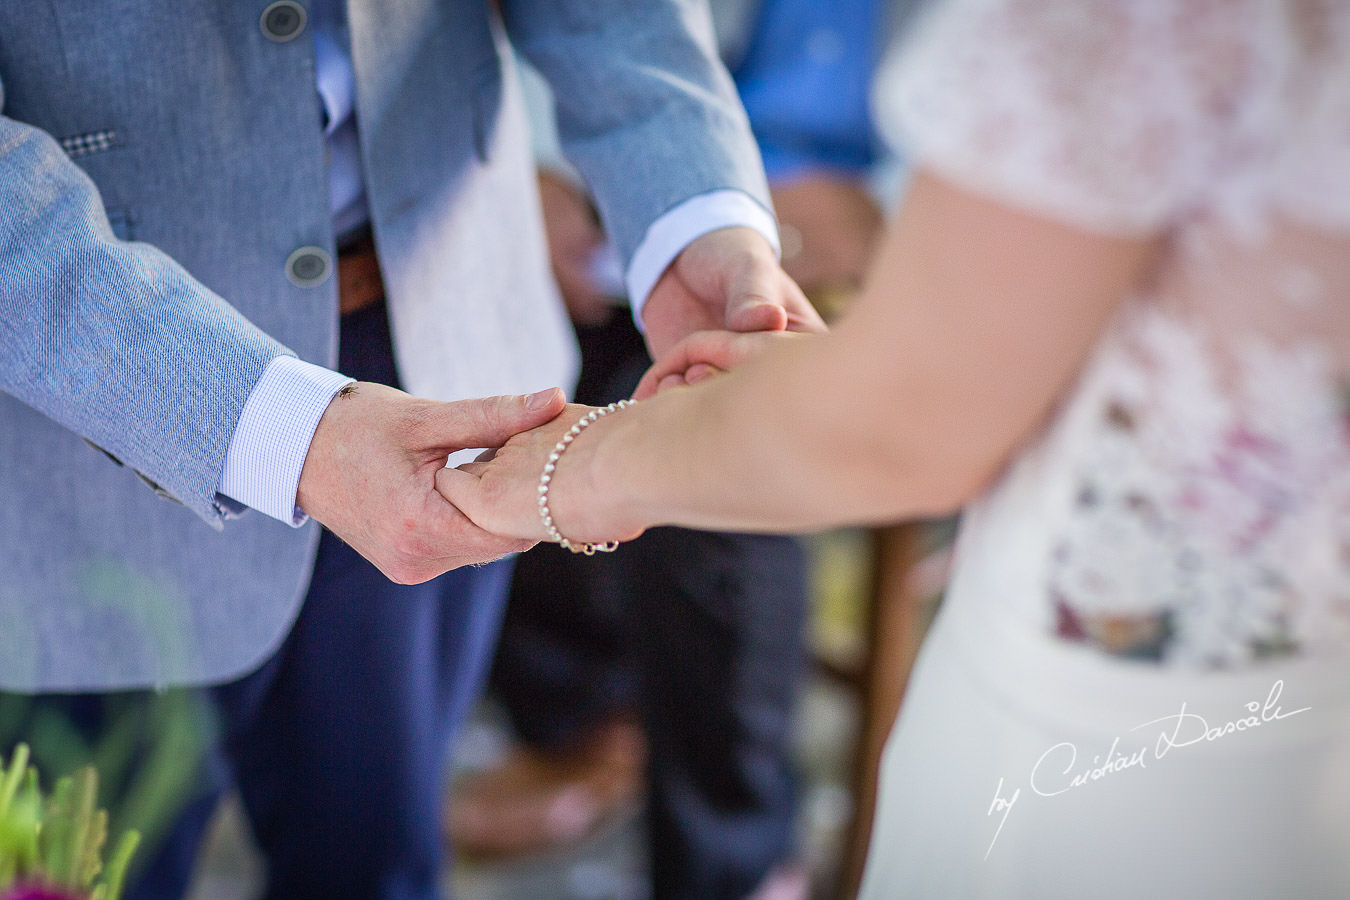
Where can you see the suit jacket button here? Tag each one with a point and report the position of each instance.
(308, 266)
(282, 21)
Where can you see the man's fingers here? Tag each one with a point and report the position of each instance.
(753, 310)
(764, 298)
(802, 316)
(491, 421)
(447, 539)
(755, 300)
(366, 476)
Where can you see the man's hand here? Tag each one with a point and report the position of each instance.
(725, 280)
(370, 475)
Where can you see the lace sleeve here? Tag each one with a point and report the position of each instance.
(1103, 113)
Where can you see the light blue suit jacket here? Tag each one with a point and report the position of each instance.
(160, 159)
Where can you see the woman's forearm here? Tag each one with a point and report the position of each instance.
(787, 443)
(952, 358)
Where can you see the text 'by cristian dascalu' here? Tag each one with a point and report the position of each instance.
(1062, 768)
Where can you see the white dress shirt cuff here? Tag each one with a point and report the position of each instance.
(268, 449)
(695, 217)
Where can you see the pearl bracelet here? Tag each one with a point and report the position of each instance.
(587, 547)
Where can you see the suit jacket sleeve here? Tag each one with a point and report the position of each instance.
(112, 339)
(646, 111)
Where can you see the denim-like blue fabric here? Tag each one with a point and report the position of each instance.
(159, 163)
(805, 80)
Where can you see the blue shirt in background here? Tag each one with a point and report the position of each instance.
(805, 80)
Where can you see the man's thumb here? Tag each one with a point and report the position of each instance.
(752, 301)
(491, 421)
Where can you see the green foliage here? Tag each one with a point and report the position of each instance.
(58, 840)
(148, 748)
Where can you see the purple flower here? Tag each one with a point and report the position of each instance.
(36, 892)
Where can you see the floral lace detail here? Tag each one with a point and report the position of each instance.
(1192, 499)
(1211, 521)
(1125, 115)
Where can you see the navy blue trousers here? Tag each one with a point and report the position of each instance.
(338, 744)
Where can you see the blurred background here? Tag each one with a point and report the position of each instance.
(872, 594)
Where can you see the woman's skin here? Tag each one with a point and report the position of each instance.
(975, 318)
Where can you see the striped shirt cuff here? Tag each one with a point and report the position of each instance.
(682, 224)
(268, 449)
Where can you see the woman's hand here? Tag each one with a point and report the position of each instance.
(500, 492)
(706, 353)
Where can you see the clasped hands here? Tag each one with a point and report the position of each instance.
(375, 474)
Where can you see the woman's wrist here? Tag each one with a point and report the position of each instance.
(551, 463)
(582, 496)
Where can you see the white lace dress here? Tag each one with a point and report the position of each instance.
(1139, 685)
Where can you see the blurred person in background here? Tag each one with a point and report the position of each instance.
(681, 656)
(1113, 317)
